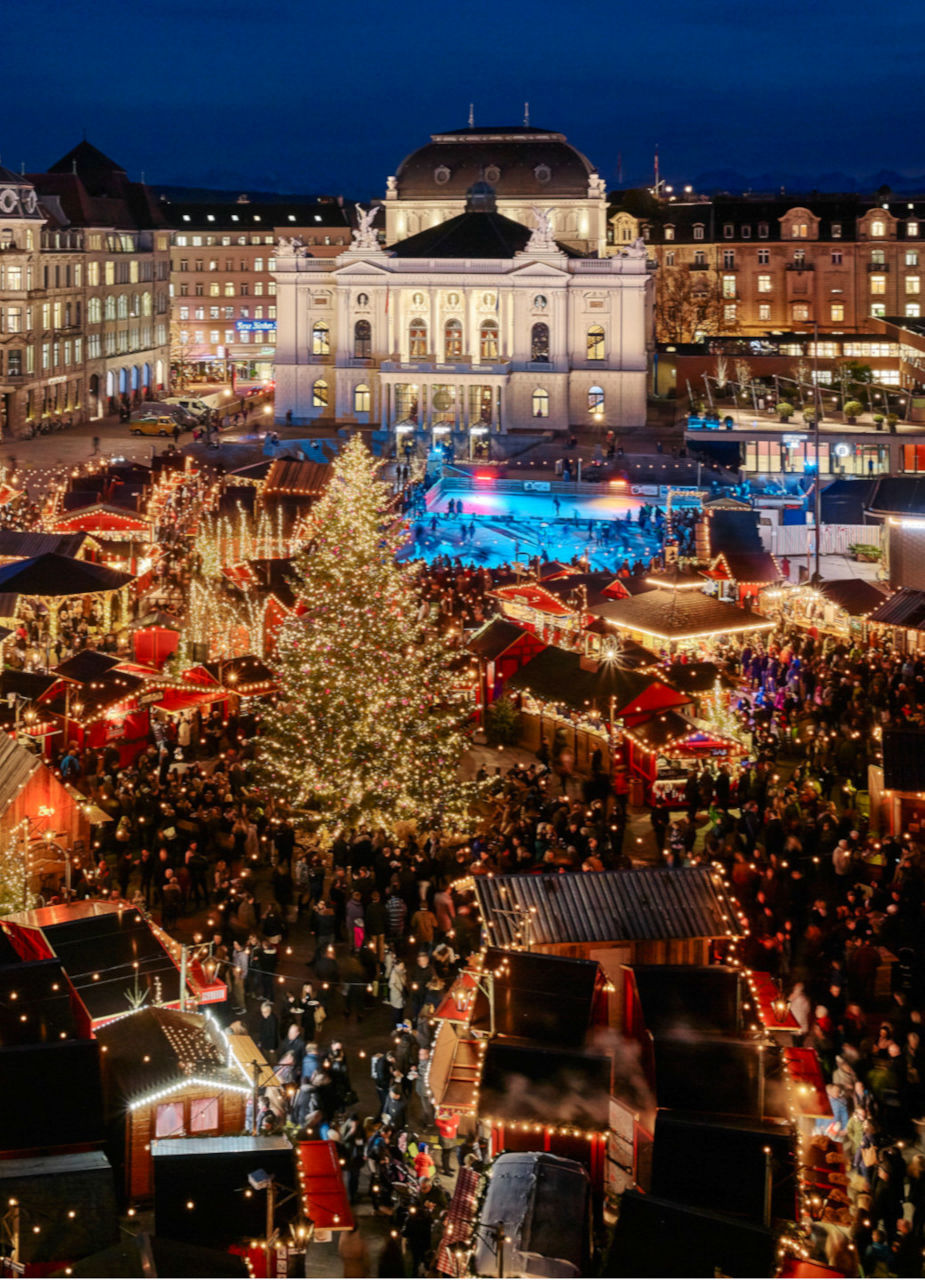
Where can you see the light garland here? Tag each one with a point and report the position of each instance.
(223, 1086)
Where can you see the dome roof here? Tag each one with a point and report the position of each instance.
(517, 161)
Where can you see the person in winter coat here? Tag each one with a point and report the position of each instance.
(398, 989)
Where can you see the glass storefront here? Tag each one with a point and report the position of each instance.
(796, 455)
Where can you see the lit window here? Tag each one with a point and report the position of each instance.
(669, 233)
(169, 1118)
(729, 286)
(877, 309)
(596, 399)
(539, 343)
(912, 228)
(417, 339)
(320, 394)
(764, 311)
(729, 313)
(837, 312)
(913, 284)
(214, 336)
(698, 230)
(595, 342)
(913, 309)
(800, 311)
(669, 258)
(540, 403)
(878, 227)
(488, 340)
(836, 230)
(321, 339)
(799, 231)
(878, 284)
(764, 284)
(203, 1115)
(230, 289)
(912, 257)
(452, 340)
(361, 399)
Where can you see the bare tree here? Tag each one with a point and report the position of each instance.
(688, 305)
(743, 372)
(721, 373)
(181, 350)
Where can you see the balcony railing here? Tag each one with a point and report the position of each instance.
(699, 266)
(878, 267)
(801, 266)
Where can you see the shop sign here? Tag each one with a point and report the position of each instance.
(255, 326)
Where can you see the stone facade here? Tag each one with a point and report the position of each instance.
(537, 340)
(83, 292)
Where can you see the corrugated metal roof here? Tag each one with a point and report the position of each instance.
(605, 906)
(16, 767)
(905, 608)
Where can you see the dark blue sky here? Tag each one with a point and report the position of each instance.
(308, 97)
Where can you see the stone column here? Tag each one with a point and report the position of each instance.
(467, 392)
(383, 405)
(429, 408)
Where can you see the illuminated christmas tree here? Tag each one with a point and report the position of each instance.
(366, 729)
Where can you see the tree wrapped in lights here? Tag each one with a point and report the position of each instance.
(365, 729)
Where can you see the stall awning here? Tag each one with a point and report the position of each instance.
(321, 1186)
(456, 1005)
(186, 699)
(808, 1083)
(455, 1071)
(773, 1011)
(459, 1221)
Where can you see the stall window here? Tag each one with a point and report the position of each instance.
(169, 1120)
(203, 1115)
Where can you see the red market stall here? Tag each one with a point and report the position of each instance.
(321, 1187)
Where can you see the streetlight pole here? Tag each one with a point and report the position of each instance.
(817, 413)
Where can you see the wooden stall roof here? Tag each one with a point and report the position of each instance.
(494, 638)
(560, 675)
(531, 595)
(904, 608)
(539, 997)
(18, 544)
(287, 478)
(679, 615)
(55, 575)
(746, 567)
(17, 766)
(606, 906)
(155, 1049)
(856, 596)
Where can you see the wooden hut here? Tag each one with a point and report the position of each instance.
(647, 915)
(166, 1075)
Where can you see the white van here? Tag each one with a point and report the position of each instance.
(198, 408)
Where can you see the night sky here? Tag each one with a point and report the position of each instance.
(300, 97)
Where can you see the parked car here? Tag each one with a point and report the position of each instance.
(198, 408)
(162, 426)
(165, 409)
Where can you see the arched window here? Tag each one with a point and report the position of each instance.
(452, 340)
(362, 299)
(488, 340)
(320, 394)
(321, 341)
(6, 238)
(123, 306)
(110, 311)
(596, 399)
(595, 342)
(541, 403)
(539, 342)
(94, 310)
(417, 338)
(878, 228)
(361, 399)
(362, 339)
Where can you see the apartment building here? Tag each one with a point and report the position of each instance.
(752, 265)
(223, 293)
